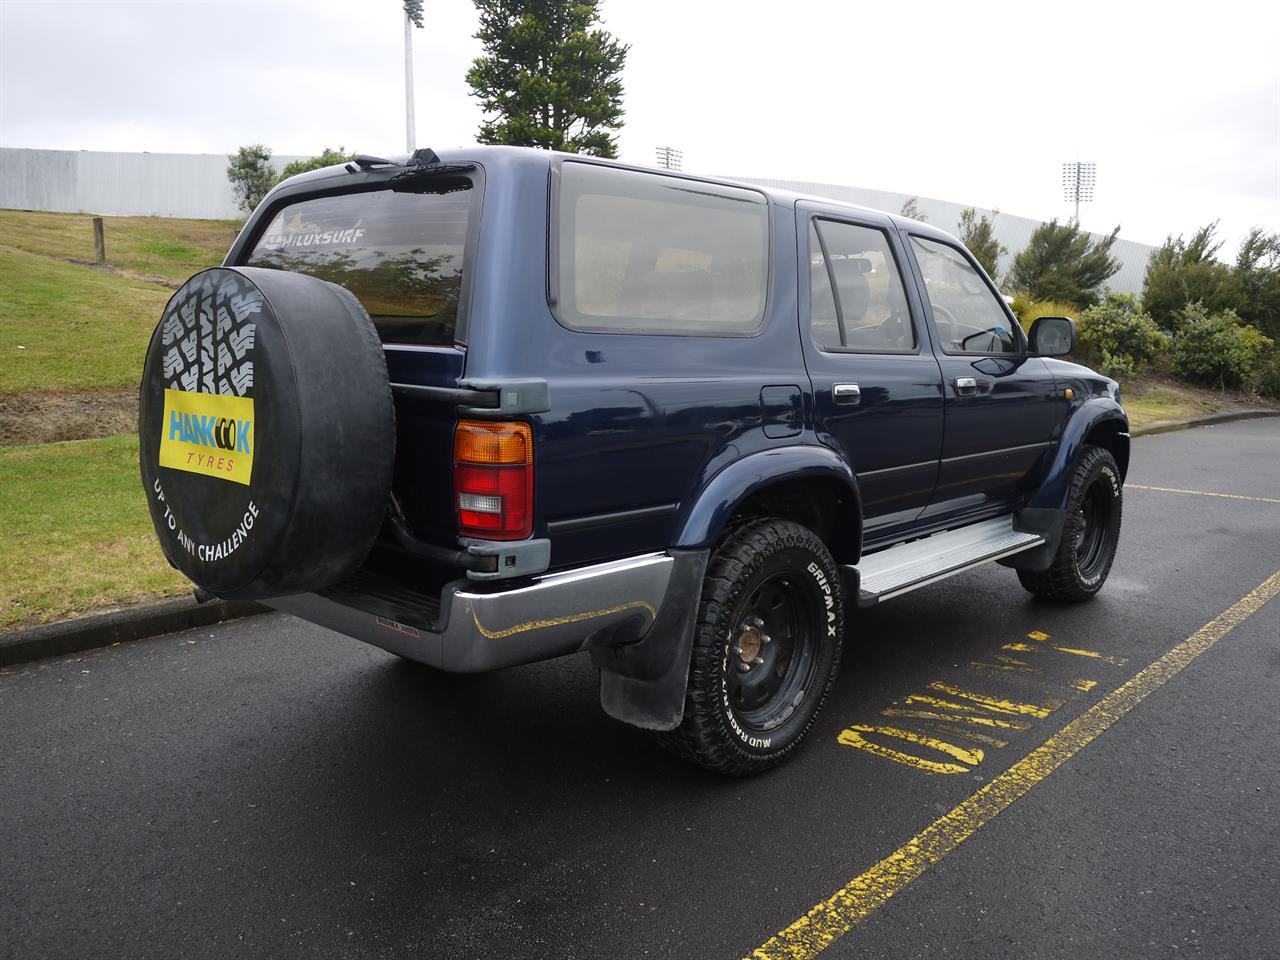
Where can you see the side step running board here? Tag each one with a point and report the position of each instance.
(897, 570)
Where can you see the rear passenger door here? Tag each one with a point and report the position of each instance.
(877, 388)
(1000, 413)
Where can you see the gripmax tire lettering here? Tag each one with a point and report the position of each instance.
(266, 432)
(1084, 557)
(714, 732)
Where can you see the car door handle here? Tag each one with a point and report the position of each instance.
(847, 394)
(966, 386)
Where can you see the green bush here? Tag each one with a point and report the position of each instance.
(1216, 349)
(1027, 308)
(1118, 337)
(1265, 379)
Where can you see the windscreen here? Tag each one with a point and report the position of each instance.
(401, 254)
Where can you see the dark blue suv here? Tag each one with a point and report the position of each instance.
(498, 405)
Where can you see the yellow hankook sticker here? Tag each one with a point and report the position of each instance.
(208, 433)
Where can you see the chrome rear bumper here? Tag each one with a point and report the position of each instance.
(482, 628)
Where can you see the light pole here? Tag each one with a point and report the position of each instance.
(412, 18)
(669, 158)
(1077, 183)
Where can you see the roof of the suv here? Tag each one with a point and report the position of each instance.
(544, 158)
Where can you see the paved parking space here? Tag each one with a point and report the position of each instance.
(269, 788)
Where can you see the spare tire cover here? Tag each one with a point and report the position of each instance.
(266, 432)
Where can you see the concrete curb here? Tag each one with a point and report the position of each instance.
(131, 623)
(1202, 422)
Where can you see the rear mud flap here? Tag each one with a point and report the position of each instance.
(643, 683)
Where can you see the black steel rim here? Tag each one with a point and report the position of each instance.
(773, 652)
(1094, 528)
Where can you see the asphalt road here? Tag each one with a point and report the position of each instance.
(270, 789)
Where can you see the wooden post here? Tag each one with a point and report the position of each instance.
(99, 241)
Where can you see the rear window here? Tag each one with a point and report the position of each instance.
(401, 254)
(645, 253)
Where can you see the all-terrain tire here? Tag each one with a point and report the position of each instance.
(1089, 536)
(266, 432)
(763, 555)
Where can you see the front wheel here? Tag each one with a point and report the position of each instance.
(766, 649)
(1090, 534)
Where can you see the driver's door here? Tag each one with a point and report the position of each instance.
(999, 416)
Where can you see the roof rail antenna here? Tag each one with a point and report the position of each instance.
(424, 156)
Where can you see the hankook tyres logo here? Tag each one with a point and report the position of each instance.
(208, 433)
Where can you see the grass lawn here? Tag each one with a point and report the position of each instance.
(64, 326)
(155, 246)
(76, 531)
(1149, 405)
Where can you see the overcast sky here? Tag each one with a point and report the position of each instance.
(1177, 103)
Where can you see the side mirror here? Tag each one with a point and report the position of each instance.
(1053, 336)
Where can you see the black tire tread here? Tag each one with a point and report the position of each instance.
(1061, 581)
(701, 737)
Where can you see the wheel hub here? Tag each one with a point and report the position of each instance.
(751, 640)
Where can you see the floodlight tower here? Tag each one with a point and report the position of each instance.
(412, 18)
(1077, 183)
(669, 158)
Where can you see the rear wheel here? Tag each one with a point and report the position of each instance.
(1089, 536)
(766, 649)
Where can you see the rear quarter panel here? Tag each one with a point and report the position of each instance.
(637, 422)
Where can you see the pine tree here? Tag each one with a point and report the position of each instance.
(550, 76)
(1063, 263)
(978, 235)
(911, 210)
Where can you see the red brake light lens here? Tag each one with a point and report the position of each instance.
(493, 479)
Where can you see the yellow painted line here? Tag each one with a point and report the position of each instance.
(855, 736)
(1201, 493)
(1000, 706)
(1013, 660)
(1018, 647)
(1094, 654)
(1037, 635)
(1005, 667)
(856, 900)
(1084, 686)
(998, 723)
(973, 735)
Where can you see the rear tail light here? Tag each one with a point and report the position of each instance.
(493, 479)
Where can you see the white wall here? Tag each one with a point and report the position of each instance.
(195, 185)
(1012, 231)
(191, 185)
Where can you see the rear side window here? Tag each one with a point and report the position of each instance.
(868, 313)
(645, 253)
(401, 254)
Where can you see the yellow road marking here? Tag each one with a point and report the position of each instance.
(1013, 660)
(854, 737)
(1081, 652)
(973, 735)
(1004, 667)
(1018, 647)
(1000, 706)
(852, 903)
(1037, 635)
(1084, 686)
(1201, 493)
(957, 718)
